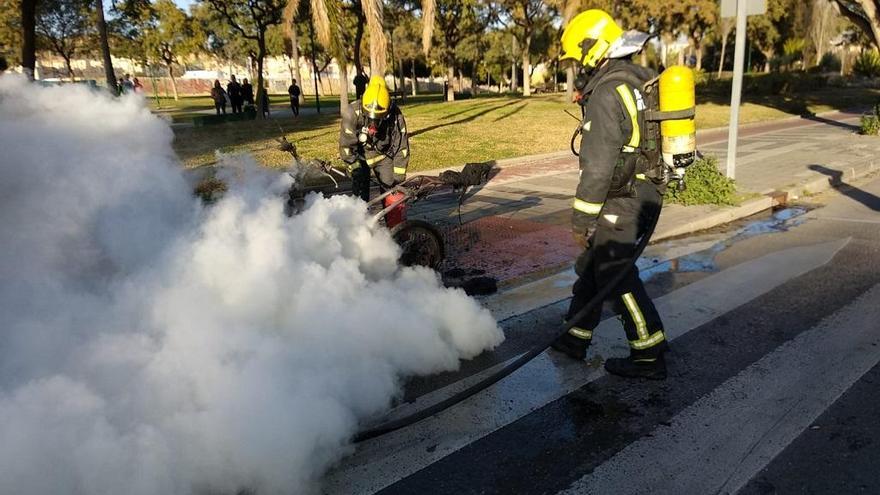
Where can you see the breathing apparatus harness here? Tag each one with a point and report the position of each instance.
(370, 135)
(668, 144)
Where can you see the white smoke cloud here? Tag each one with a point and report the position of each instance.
(150, 345)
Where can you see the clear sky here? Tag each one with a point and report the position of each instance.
(184, 4)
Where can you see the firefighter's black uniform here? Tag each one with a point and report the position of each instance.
(386, 152)
(614, 205)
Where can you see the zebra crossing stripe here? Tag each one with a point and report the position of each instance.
(720, 433)
(385, 460)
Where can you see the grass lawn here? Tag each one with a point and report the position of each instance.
(481, 129)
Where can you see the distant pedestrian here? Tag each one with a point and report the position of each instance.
(218, 94)
(233, 89)
(360, 85)
(294, 93)
(247, 92)
(264, 101)
(127, 85)
(138, 87)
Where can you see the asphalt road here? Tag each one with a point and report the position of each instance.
(773, 385)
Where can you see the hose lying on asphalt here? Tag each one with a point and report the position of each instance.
(490, 380)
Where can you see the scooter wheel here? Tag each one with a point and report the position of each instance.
(420, 242)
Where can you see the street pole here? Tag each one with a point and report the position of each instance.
(736, 91)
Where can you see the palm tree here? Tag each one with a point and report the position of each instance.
(325, 15)
(291, 41)
(375, 13)
(568, 8)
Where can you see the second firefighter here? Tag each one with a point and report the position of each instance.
(373, 140)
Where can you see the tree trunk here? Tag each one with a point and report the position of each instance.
(450, 80)
(314, 64)
(402, 79)
(359, 38)
(872, 12)
(29, 37)
(699, 54)
(723, 53)
(375, 24)
(514, 85)
(393, 63)
(415, 81)
(173, 81)
(294, 55)
(526, 63)
(644, 56)
(261, 89)
(343, 90)
(69, 69)
(569, 83)
(105, 46)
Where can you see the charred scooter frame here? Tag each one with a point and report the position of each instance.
(421, 243)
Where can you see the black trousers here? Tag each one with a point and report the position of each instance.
(294, 106)
(237, 104)
(621, 224)
(360, 178)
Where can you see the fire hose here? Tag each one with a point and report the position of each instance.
(521, 361)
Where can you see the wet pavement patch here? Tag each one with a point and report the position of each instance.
(704, 261)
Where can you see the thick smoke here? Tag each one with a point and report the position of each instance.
(151, 345)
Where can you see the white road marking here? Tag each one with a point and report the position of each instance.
(850, 220)
(723, 440)
(380, 462)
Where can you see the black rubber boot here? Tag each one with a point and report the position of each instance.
(571, 346)
(637, 367)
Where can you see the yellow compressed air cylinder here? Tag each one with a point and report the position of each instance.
(679, 137)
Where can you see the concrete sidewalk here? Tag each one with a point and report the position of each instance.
(519, 222)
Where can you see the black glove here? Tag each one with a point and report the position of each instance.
(583, 227)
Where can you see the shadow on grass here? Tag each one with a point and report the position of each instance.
(193, 142)
(469, 118)
(512, 112)
(835, 178)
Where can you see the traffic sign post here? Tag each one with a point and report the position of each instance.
(743, 9)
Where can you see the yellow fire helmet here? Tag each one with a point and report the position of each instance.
(376, 99)
(589, 36)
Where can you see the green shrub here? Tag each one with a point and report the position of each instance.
(867, 64)
(705, 186)
(771, 84)
(871, 122)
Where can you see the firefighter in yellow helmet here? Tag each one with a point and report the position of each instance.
(373, 139)
(615, 198)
